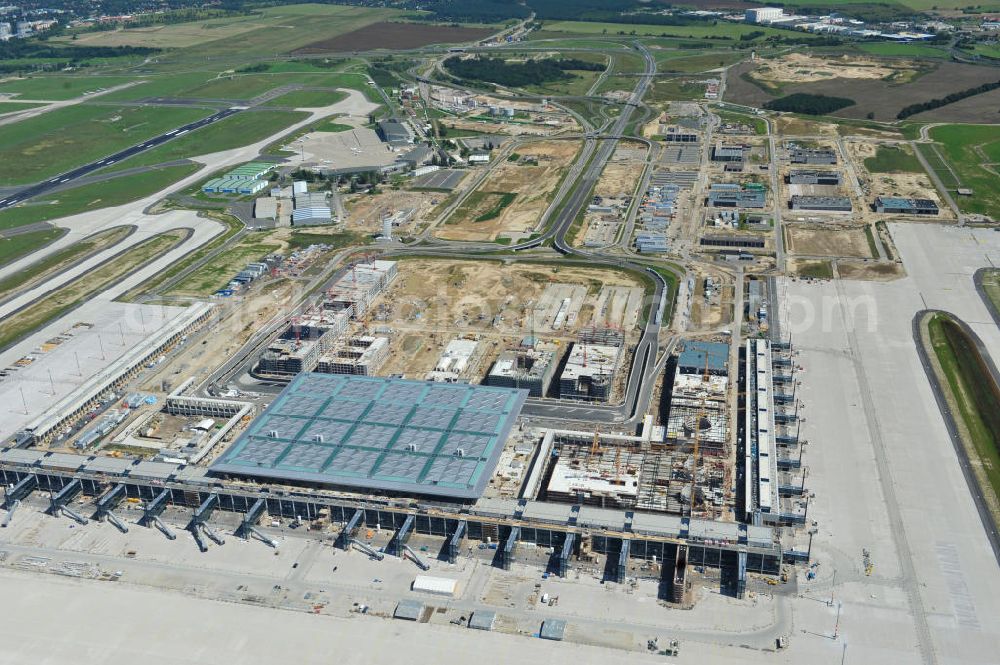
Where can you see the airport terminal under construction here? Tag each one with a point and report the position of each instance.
(454, 462)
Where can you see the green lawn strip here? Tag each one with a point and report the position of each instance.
(233, 226)
(975, 395)
(58, 87)
(54, 142)
(235, 131)
(893, 159)
(14, 247)
(816, 269)
(336, 239)
(308, 99)
(872, 246)
(104, 194)
(77, 291)
(62, 258)
(13, 107)
(991, 285)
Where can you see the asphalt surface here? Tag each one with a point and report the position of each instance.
(61, 180)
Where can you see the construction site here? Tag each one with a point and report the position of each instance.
(511, 201)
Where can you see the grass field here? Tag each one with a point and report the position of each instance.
(95, 196)
(215, 274)
(559, 29)
(759, 124)
(247, 86)
(12, 107)
(269, 31)
(232, 132)
(671, 89)
(57, 87)
(66, 297)
(893, 159)
(233, 226)
(911, 50)
(966, 148)
(52, 143)
(306, 99)
(61, 259)
(701, 62)
(815, 269)
(14, 247)
(974, 399)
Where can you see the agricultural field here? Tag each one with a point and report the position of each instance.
(904, 83)
(232, 132)
(57, 87)
(105, 194)
(511, 200)
(693, 64)
(396, 36)
(47, 145)
(973, 153)
(15, 246)
(903, 50)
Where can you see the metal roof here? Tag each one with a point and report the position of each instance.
(695, 352)
(409, 610)
(553, 629)
(370, 433)
(482, 620)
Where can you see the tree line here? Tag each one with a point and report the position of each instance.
(808, 104)
(914, 109)
(517, 74)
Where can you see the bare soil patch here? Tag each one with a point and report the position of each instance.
(533, 186)
(818, 241)
(396, 36)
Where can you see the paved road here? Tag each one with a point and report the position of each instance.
(60, 180)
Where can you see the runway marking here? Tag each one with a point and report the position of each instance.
(961, 599)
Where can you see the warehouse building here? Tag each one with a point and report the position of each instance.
(724, 195)
(752, 242)
(810, 177)
(528, 368)
(378, 435)
(902, 206)
(763, 14)
(811, 156)
(647, 243)
(822, 203)
(311, 208)
(727, 153)
(393, 131)
(589, 372)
